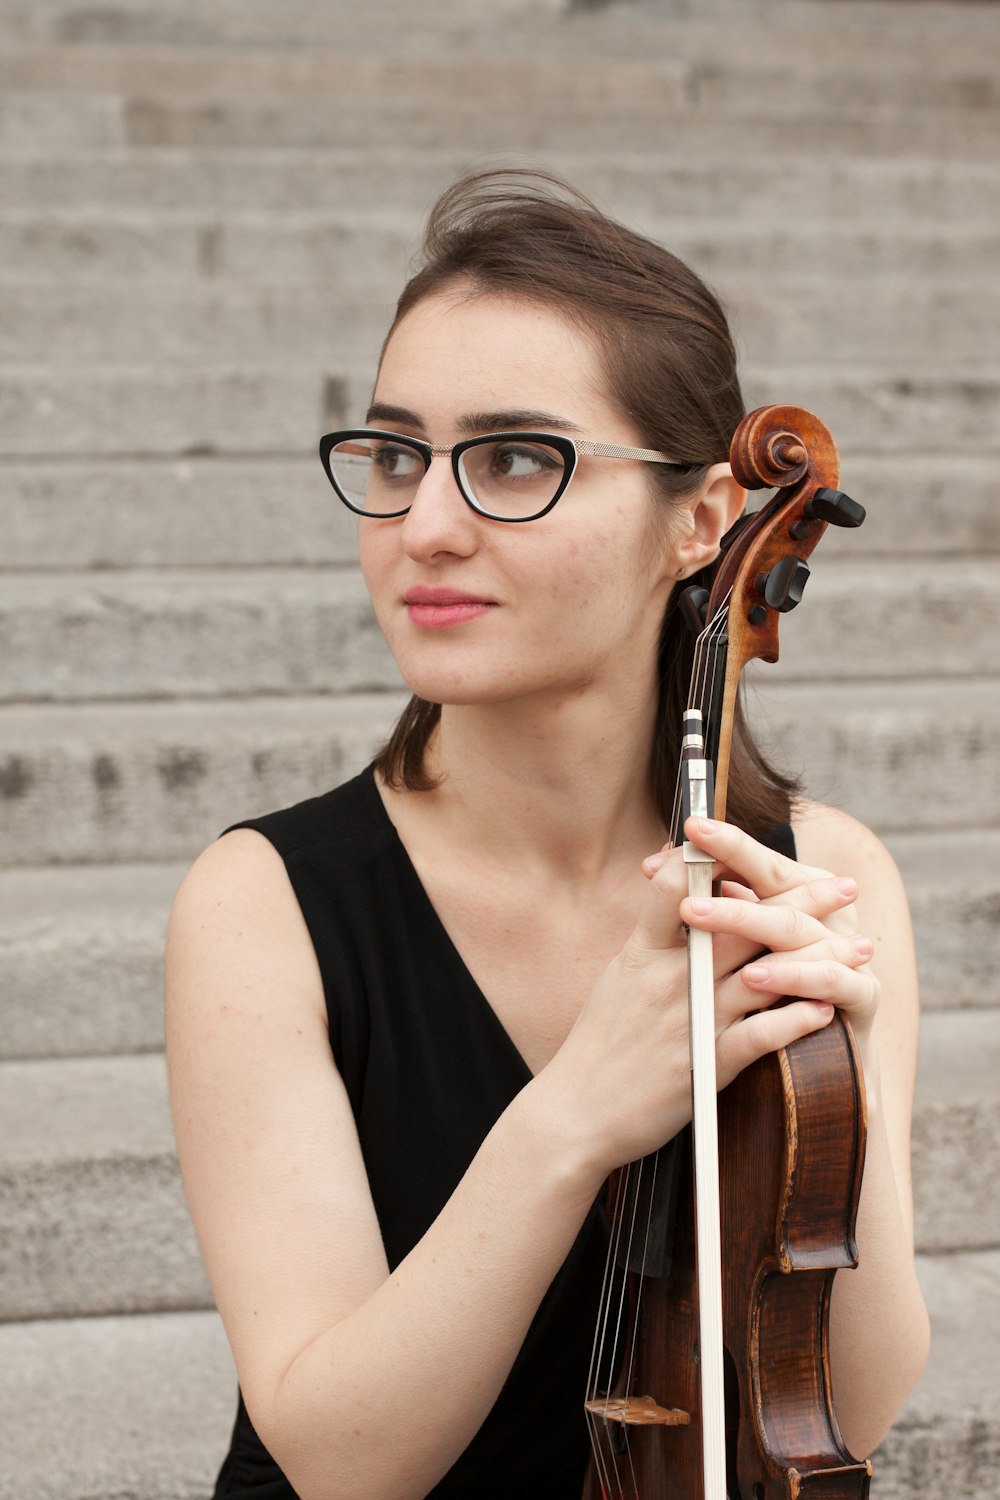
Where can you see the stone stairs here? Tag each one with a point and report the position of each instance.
(206, 214)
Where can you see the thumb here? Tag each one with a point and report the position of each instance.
(659, 925)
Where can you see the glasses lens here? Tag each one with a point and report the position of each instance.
(378, 476)
(512, 478)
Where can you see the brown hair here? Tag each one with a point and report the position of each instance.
(670, 368)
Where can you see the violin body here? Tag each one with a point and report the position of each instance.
(788, 1219)
(791, 1152)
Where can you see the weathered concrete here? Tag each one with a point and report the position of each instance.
(190, 634)
(634, 184)
(802, 319)
(125, 782)
(150, 409)
(878, 748)
(309, 247)
(133, 1408)
(81, 959)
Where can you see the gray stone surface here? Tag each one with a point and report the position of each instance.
(654, 186)
(190, 634)
(149, 409)
(127, 781)
(800, 320)
(878, 748)
(953, 882)
(81, 959)
(135, 1408)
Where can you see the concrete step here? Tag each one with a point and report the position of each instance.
(205, 633)
(871, 192)
(81, 946)
(227, 512)
(318, 248)
(801, 318)
(97, 1223)
(190, 634)
(899, 755)
(144, 1405)
(953, 882)
(143, 410)
(81, 959)
(99, 121)
(919, 30)
(157, 781)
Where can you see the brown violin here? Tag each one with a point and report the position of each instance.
(671, 1416)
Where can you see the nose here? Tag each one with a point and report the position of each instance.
(439, 521)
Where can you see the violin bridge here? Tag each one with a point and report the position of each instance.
(638, 1411)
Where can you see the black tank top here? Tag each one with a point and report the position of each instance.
(429, 1069)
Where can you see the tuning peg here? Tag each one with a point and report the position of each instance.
(783, 586)
(834, 507)
(694, 608)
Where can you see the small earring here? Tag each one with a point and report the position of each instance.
(680, 572)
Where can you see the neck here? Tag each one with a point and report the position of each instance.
(562, 785)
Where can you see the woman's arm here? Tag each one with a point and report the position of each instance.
(360, 1384)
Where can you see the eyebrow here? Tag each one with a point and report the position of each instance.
(476, 422)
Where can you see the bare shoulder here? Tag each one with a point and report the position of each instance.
(234, 908)
(832, 839)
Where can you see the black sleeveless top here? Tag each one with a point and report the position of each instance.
(429, 1069)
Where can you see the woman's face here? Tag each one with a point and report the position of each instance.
(559, 605)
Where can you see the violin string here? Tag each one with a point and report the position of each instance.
(702, 694)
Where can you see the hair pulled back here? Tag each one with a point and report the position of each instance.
(670, 368)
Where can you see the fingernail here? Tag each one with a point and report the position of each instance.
(847, 887)
(701, 907)
(756, 974)
(654, 861)
(864, 946)
(824, 1008)
(707, 826)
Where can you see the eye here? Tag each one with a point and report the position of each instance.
(394, 461)
(524, 461)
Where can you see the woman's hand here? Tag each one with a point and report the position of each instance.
(799, 922)
(781, 928)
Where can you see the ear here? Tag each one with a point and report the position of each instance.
(711, 511)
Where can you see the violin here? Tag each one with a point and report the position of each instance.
(711, 1372)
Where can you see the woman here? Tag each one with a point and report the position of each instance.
(414, 1024)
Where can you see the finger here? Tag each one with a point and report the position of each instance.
(766, 1031)
(783, 926)
(736, 891)
(765, 870)
(850, 988)
(659, 925)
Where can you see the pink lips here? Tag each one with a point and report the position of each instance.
(432, 608)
